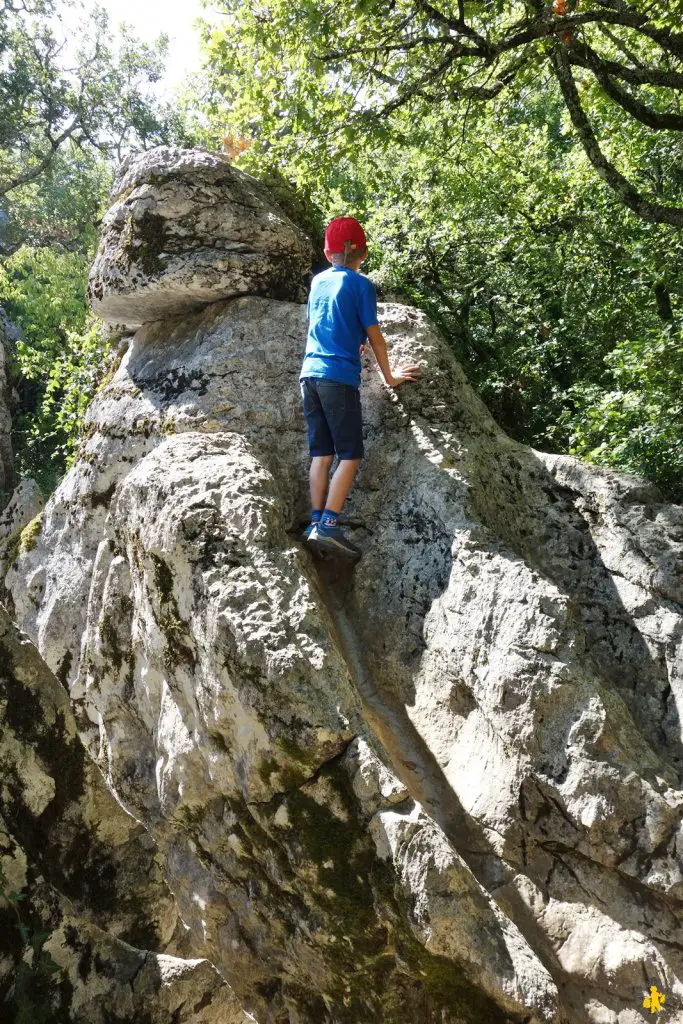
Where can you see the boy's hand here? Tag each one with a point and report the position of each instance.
(410, 372)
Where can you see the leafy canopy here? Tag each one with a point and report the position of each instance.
(340, 68)
(61, 361)
(93, 90)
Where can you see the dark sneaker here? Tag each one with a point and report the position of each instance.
(307, 532)
(331, 539)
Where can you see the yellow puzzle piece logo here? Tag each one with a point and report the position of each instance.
(655, 1001)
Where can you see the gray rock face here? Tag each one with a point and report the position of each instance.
(82, 895)
(208, 683)
(23, 510)
(8, 336)
(443, 787)
(186, 228)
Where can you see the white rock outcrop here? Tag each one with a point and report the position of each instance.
(81, 885)
(442, 787)
(186, 228)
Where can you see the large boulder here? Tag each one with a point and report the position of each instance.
(209, 683)
(85, 913)
(442, 787)
(186, 228)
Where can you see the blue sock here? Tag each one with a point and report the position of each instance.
(315, 515)
(329, 518)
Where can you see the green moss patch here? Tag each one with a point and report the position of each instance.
(22, 540)
(148, 240)
(169, 621)
(30, 533)
(382, 973)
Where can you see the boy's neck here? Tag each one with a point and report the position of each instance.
(349, 266)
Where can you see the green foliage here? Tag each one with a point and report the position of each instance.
(35, 983)
(636, 427)
(95, 91)
(61, 207)
(37, 978)
(61, 361)
(562, 304)
(479, 196)
(43, 289)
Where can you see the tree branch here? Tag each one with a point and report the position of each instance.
(417, 87)
(457, 25)
(640, 111)
(639, 75)
(450, 43)
(663, 301)
(655, 213)
(668, 40)
(42, 165)
(403, 45)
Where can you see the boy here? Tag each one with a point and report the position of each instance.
(342, 316)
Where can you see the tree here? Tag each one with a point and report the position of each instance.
(353, 64)
(61, 208)
(93, 93)
(61, 360)
(67, 109)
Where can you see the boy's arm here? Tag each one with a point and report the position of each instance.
(379, 347)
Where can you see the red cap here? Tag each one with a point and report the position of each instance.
(344, 229)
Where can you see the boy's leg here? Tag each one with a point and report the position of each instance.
(321, 449)
(341, 484)
(319, 479)
(341, 405)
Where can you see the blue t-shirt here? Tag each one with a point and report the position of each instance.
(341, 306)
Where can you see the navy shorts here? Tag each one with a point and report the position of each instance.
(333, 416)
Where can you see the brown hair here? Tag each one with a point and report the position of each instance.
(342, 259)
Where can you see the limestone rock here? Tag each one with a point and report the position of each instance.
(22, 511)
(442, 787)
(209, 686)
(8, 336)
(186, 228)
(511, 623)
(81, 888)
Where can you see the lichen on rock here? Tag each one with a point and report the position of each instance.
(82, 895)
